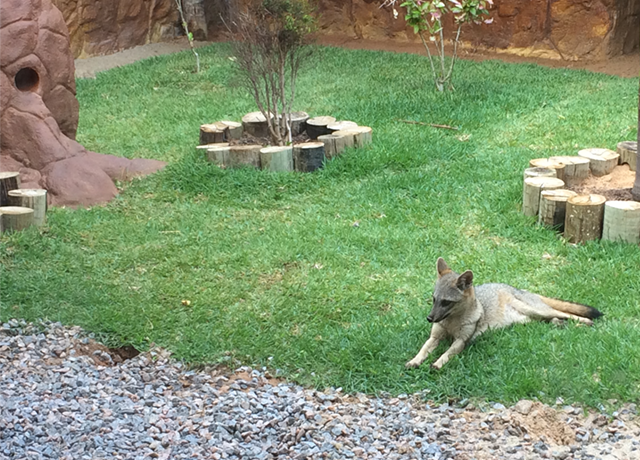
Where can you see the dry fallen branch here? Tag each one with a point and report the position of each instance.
(433, 125)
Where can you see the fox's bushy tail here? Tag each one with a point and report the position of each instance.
(574, 308)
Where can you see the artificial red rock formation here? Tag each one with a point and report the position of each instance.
(39, 111)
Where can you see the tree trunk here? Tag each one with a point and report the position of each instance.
(583, 221)
(317, 126)
(621, 221)
(14, 218)
(244, 155)
(219, 155)
(362, 135)
(553, 204)
(546, 163)
(531, 192)
(308, 156)
(277, 158)
(335, 144)
(635, 191)
(576, 169)
(601, 161)
(212, 133)
(8, 181)
(35, 199)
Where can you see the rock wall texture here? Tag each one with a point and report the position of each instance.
(99, 27)
(39, 111)
(569, 29)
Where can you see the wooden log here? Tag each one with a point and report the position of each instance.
(308, 156)
(576, 169)
(212, 133)
(317, 126)
(8, 181)
(219, 155)
(531, 192)
(546, 163)
(628, 151)
(234, 129)
(279, 158)
(255, 123)
(335, 144)
(15, 218)
(32, 198)
(583, 218)
(212, 146)
(601, 161)
(244, 155)
(298, 122)
(553, 204)
(539, 172)
(340, 125)
(362, 135)
(621, 221)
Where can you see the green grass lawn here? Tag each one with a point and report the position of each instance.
(277, 274)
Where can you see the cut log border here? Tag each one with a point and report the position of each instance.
(35, 199)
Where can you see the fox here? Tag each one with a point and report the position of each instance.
(463, 311)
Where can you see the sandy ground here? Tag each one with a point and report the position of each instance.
(624, 66)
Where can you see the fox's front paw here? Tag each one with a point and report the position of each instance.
(437, 365)
(413, 363)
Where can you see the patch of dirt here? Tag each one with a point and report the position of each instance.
(614, 186)
(543, 421)
(102, 355)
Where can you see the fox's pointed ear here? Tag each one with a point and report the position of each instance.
(465, 280)
(442, 267)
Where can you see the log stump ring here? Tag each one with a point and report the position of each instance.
(219, 155)
(317, 126)
(244, 155)
(583, 220)
(539, 172)
(255, 123)
(601, 161)
(576, 169)
(35, 199)
(546, 163)
(308, 156)
(553, 205)
(279, 158)
(621, 221)
(212, 133)
(15, 218)
(8, 181)
(340, 125)
(234, 129)
(298, 122)
(628, 151)
(533, 186)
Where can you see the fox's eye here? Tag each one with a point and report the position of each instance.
(446, 303)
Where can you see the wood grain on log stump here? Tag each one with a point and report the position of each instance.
(219, 155)
(335, 144)
(212, 133)
(553, 204)
(576, 169)
(15, 218)
(340, 125)
(255, 123)
(298, 122)
(308, 156)
(279, 158)
(628, 151)
(244, 155)
(583, 219)
(35, 199)
(212, 146)
(546, 163)
(317, 126)
(621, 221)
(539, 172)
(362, 135)
(8, 181)
(531, 192)
(234, 129)
(601, 161)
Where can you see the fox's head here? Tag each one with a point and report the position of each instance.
(450, 292)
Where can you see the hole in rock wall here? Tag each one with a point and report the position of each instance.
(27, 79)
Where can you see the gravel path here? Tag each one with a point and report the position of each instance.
(64, 396)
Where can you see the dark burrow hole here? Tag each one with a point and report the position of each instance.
(27, 79)
(126, 352)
